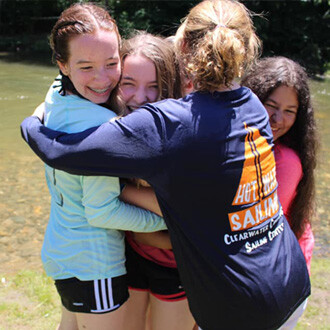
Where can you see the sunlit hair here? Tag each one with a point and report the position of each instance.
(217, 43)
(78, 19)
(161, 53)
(267, 75)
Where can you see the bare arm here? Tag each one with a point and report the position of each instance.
(143, 197)
(40, 111)
(159, 239)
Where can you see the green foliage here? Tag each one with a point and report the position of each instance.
(25, 43)
(159, 17)
(297, 29)
(30, 17)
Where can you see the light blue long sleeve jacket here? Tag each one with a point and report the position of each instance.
(84, 237)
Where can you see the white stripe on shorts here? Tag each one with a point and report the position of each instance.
(104, 310)
(97, 295)
(110, 295)
(104, 299)
(104, 294)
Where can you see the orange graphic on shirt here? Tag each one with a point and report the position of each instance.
(257, 184)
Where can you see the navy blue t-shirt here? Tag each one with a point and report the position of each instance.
(209, 158)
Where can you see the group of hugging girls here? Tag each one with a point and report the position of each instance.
(169, 215)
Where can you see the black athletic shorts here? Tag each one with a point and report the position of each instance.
(97, 296)
(144, 275)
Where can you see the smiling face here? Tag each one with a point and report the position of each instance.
(282, 107)
(93, 65)
(138, 84)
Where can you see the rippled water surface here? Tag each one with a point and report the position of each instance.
(24, 199)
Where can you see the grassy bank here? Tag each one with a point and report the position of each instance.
(317, 314)
(28, 300)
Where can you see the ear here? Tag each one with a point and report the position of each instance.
(188, 86)
(63, 67)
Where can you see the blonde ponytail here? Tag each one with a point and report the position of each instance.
(217, 43)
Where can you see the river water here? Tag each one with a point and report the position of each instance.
(24, 198)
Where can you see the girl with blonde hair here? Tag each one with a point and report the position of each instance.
(157, 299)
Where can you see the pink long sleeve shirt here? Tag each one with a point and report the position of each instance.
(288, 175)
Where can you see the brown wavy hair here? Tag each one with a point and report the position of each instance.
(78, 19)
(217, 43)
(267, 75)
(160, 52)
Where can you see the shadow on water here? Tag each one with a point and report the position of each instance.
(28, 58)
